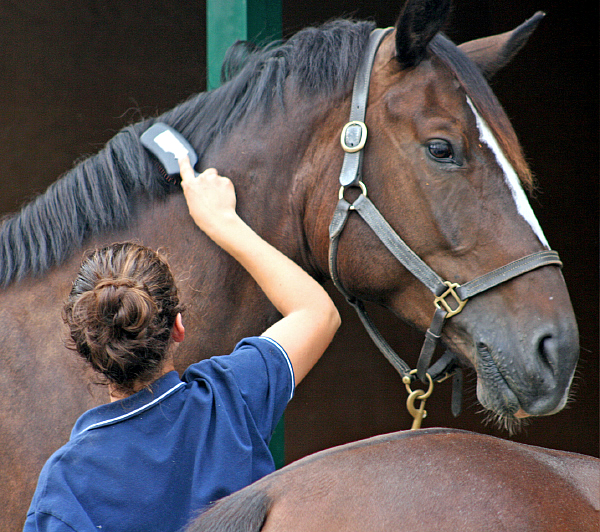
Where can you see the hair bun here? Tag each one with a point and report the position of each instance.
(125, 305)
(116, 283)
(121, 311)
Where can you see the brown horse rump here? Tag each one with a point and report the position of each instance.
(431, 479)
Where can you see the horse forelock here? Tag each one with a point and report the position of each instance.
(480, 93)
(316, 62)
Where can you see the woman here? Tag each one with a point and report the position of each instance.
(165, 447)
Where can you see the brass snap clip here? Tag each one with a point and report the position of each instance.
(420, 413)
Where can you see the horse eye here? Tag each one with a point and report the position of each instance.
(440, 150)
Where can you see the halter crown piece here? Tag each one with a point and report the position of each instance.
(449, 298)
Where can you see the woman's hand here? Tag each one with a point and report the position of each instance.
(210, 197)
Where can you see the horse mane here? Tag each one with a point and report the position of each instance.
(316, 61)
(95, 195)
(98, 194)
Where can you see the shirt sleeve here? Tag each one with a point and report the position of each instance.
(46, 522)
(55, 507)
(260, 370)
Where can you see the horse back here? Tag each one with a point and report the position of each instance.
(437, 478)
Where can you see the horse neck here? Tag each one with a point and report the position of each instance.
(285, 177)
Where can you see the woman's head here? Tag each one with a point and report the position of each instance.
(120, 313)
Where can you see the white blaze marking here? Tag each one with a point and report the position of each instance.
(510, 176)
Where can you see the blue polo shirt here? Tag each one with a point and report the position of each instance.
(155, 459)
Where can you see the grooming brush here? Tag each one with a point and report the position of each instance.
(168, 146)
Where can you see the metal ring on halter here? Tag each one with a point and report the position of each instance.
(362, 186)
(422, 395)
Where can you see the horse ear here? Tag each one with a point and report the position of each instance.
(491, 54)
(418, 23)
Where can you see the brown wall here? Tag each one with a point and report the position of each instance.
(72, 73)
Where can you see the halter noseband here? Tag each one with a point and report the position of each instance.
(450, 298)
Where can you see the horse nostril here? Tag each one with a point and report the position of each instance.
(548, 351)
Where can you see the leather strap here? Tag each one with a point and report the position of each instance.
(447, 366)
(336, 227)
(505, 273)
(338, 222)
(432, 338)
(350, 173)
(406, 256)
(412, 262)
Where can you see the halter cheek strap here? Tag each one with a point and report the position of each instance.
(449, 298)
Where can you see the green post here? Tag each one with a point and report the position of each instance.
(227, 21)
(277, 445)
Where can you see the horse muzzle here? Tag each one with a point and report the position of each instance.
(521, 376)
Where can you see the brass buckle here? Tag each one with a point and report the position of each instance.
(440, 301)
(363, 136)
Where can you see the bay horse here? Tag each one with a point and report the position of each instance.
(430, 479)
(442, 164)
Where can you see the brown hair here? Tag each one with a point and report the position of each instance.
(120, 313)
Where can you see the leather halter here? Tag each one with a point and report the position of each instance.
(449, 298)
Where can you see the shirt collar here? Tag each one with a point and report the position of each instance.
(123, 409)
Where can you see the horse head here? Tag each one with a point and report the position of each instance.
(444, 167)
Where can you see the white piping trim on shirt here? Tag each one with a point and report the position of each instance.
(133, 412)
(287, 359)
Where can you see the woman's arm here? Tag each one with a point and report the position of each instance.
(310, 319)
